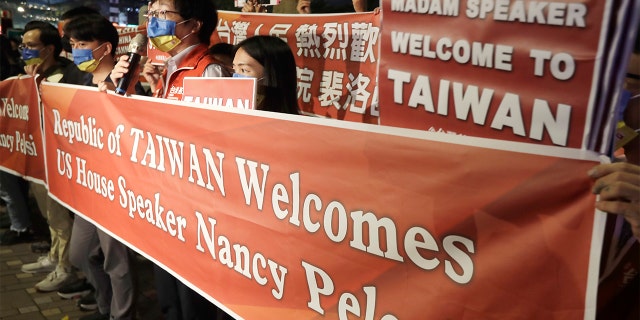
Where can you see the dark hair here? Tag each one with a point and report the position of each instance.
(201, 10)
(78, 11)
(222, 48)
(49, 35)
(93, 27)
(280, 76)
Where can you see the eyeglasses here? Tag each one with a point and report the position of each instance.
(31, 46)
(161, 14)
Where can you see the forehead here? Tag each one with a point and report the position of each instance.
(243, 58)
(163, 5)
(31, 36)
(90, 43)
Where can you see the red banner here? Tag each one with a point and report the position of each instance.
(336, 55)
(221, 92)
(511, 70)
(20, 130)
(275, 216)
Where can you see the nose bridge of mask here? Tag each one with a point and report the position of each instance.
(160, 27)
(30, 54)
(162, 34)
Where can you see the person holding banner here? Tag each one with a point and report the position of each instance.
(183, 29)
(42, 45)
(270, 60)
(618, 185)
(41, 48)
(105, 261)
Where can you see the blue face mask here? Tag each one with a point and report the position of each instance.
(31, 56)
(240, 75)
(81, 55)
(159, 27)
(162, 33)
(83, 58)
(28, 54)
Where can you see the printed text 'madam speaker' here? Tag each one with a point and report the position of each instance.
(136, 48)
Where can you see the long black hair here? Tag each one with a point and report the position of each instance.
(280, 77)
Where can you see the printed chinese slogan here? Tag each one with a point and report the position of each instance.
(336, 55)
(306, 218)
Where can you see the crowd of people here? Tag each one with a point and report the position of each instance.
(183, 30)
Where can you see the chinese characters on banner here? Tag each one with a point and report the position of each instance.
(336, 55)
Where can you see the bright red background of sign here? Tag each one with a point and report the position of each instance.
(581, 43)
(529, 216)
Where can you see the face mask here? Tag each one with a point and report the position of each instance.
(31, 56)
(240, 75)
(162, 33)
(83, 58)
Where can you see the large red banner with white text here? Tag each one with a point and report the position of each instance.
(21, 149)
(289, 217)
(512, 70)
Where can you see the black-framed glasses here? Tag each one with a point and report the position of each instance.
(160, 14)
(31, 46)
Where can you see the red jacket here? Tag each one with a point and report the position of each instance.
(193, 65)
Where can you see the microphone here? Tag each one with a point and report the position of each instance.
(136, 47)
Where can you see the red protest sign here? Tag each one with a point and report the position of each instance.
(466, 68)
(336, 57)
(311, 218)
(21, 150)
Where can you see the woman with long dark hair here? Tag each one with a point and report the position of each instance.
(270, 60)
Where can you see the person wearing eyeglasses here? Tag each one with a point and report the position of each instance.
(182, 29)
(41, 47)
(105, 261)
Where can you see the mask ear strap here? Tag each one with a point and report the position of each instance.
(108, 51)
(50, 51)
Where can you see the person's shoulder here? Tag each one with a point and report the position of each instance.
(73, 75)
(64, 62)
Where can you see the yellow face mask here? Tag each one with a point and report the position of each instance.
(90, 66)
(33, 61)
(165, 43)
